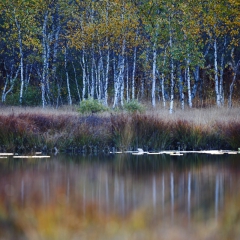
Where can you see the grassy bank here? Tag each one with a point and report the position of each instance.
(36, 129)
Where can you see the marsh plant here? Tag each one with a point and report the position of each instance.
(28, 130)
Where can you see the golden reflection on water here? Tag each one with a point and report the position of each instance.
(116, 194)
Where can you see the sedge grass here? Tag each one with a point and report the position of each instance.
(25, 129)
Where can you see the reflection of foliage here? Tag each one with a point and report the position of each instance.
(63, 213)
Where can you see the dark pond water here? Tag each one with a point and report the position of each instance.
(190, 188)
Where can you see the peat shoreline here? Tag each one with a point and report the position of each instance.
(30, 132)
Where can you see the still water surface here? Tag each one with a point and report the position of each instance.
(189, 187)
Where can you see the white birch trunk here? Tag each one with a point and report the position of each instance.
(142, 91)
(119, 86)
(221, 90)
(122, 83)
(171, 73)
(196, 81)
(105, 85)
(55, 50)
(84, 79)
(116, 84)
(28, 73)
(181, 86)
(9, 80)
(119, 90)
(218, 99)
(99, 76)
(49, 40)
(235, 69)
(163, 90)
(163, 79)
(189, 84)
(67, 78)
(44, 56)
(21, 59)
(105, 79)
(127, 81)
(133, 72)
(76, 82)
(154, 75)
(92, 75)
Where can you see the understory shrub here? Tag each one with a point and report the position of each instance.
(91, 106)
(133, 106)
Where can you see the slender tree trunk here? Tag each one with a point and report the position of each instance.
(76, 81)
(119, 87)
(196, 81)
(55, 50)
(28, 73)
(105, 84)
(9, 80)
(48, 89)
(67, 78)
(163, 79)
(98, 80)
(122, 82)
(145, 75)
(163, 90)
(189, 84)
(218, 99)
(116, 83)
(181, 86)
(221, 90)
(154, 74)
(171, 72)
(133, 72)
(92, 74)
(45, 60)
(84, 78)
(127, 80)
(105, 79)
(21, 60)
(235, 69)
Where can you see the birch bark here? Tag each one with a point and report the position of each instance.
(21, 59)
(10, 80)
(45, 60)
(218, 99)
(189, 83)
(154, 74)
(171, 72)
(221, 89)
(133, 72)
(235, 69)
(67, 77)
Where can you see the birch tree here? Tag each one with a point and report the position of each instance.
(18, 19)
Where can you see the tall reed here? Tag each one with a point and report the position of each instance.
(28, 131)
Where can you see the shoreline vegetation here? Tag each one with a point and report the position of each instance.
(29, 129)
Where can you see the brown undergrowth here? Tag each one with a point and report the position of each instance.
(32, 130)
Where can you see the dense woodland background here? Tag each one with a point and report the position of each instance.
(170, 52)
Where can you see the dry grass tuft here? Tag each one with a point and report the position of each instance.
(208, 128)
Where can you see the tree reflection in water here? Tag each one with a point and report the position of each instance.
(172, 190)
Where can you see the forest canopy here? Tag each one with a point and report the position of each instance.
(55, 52)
